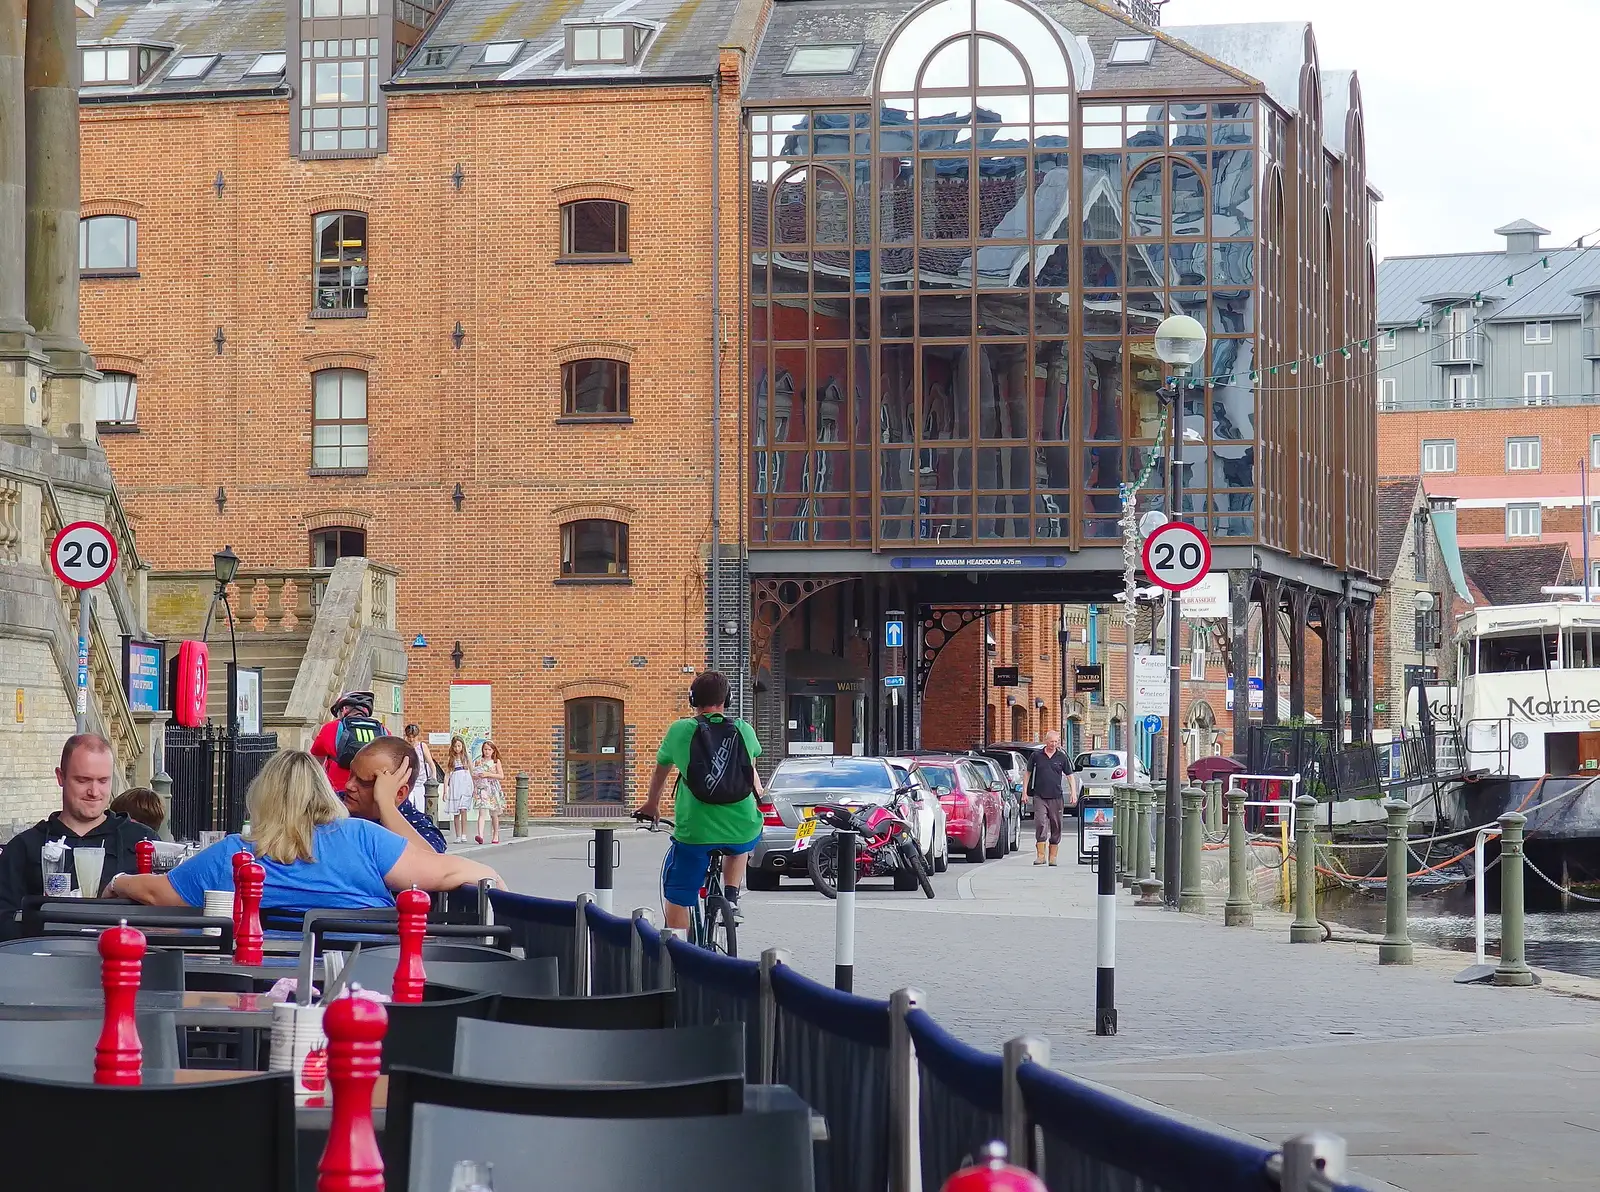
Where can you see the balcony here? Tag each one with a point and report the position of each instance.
(1462, 347)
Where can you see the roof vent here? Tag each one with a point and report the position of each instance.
(1522, 236)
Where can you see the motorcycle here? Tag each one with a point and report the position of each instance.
(887, 846)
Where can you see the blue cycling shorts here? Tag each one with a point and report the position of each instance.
(685, 868)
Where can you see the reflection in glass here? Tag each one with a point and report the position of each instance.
(998, 66)
(1102, 266)
(1003, 198)
(791, 319)
(894, 199)
(830, 318)
(832, 390)
(1188, 302)
(1102, 467)
(832, 222)
(1233, 195)
(944, 316)
(1052, 268)
(789, 396)
(1233, 134)
(1102, 314)
(944, 124)
(1188, 201)
(897, 387)
(1001, 267)
(1002, 504)
(1145, 202)
(1102, 196)
(1187, 264)
(862, 392)
(895, 317)
(1146, 375)
(1234, 312)
(945, 213)
(1001, 109)
(944, 268)
(1145, 312)
(1052, 196)
(942, 469)
(917, 40)
(946, 390)
(1233, 403)
(1003, 376)
(1234, 263)
(1052, 108)
(789, 272)
(894, 126)
(894, 268)
(1002, 314)
(896, 471)
(1051, 385)
(949, 69)
(1102, 390)
(1144, 265)
(790, 209)
(1102, 137)
(1052, 313)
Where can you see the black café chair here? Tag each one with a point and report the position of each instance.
(423, 1034)
(233, 1133)
(160, 971)
(552, 1055)
(527, 978)
(578, 1154)
(409, 1088)
(68, 1043)
(613, 1012)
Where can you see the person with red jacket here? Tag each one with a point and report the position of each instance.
(337, 742)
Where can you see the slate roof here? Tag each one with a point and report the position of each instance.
(1515, 574)
(1092, 27)
(1397, 498)
(239, 30)
(685, 40)
(1540, 294)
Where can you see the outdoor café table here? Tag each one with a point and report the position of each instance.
(272, 966)
(241, 1011)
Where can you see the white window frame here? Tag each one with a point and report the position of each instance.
(1538, 332)
(1524, 453)
(1386, 341)
(1197, 654)
(116, 399)
(1594, 517)
(1436, 447)
(1388, 393)
(1524, 520)
(1538, 388)
(1594, 451)
(1460, 397)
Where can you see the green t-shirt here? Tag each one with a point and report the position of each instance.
(708, 823)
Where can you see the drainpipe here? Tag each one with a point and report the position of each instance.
(716, 368)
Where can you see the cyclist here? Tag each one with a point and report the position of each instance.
(715, 799)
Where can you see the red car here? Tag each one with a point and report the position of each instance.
(974, 811)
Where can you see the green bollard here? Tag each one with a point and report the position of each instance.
(1214, 808)
(1305, 929)
(519, 822)
(1191, 894)
(1124, 818)
(1513, 967)
(1159, 814)
(1240, 909)
(1141, 839)
(1396, 945)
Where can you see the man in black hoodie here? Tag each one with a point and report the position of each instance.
(84, 819)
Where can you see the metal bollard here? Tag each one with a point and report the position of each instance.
(636, 948)
(844, 919)
(768, 1010)
(1141, 838)
(1396, 945)
(1312, 1160)
(1127, 817)
(430, 800)
(1015, 1126)
(1119, 823)
(519, 821)
(1513, 967)
(580, 947)
(1305, 929)
(1240, 909)
(1105, 939)
(1191, 894)
(603, 857)
(905, 1134)
(1159, 815)
(668, 981)
(1213, 807)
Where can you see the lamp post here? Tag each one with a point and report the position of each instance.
(1424, 603)
(1181, 344)
(225, 565)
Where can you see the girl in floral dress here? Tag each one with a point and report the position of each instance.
(488, 793)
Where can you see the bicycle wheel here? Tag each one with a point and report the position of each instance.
(722, 933)
(913, 859)
(822, 863)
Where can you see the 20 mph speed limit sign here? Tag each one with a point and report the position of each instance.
(1177, 556)
(83, 555)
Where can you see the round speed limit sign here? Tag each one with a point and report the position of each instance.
(1177, 556)
(83, 554)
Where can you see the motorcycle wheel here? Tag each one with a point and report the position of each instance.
(914, 859)
(822, 863)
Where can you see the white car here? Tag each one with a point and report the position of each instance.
(928, 819)
(1108, 767)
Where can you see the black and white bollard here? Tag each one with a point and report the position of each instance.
(1105, 940)
(603, 860)
(844, 923)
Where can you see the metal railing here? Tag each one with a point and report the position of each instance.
(211, 769)
(1462, 347)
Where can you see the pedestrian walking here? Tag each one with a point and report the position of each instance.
(458, 787)
(1047, 776)
(488, 790)
(424, 770)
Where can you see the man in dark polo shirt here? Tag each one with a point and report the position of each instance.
(1047, 776)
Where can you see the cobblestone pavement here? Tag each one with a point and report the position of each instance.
(1438, 1087)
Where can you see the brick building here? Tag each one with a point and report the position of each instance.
(456, 316)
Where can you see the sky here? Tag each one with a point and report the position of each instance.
(1478, 112)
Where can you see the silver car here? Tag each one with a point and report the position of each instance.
(798, 784)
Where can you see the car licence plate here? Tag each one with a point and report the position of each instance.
(807, 828)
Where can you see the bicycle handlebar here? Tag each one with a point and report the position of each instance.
(652, 825)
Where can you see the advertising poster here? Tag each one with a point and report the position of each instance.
(141, 675)
(470, 719)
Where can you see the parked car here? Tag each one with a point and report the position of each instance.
(1010, 799)
(1015, 763)
(797, 785)
(1104, 767)
(974, 811)
(929, 820)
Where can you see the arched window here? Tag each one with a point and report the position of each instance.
(339, 246)
(594, 757)
(108, 244)
(594, 228)
(339, 419)
(332, 543)
(594, 549)
(116, 397)
(596, 386)
(1019, 723)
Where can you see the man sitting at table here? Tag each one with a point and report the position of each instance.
(315, 855)
(84, 821)
(391, 759)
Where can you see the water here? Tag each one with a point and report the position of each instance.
(1566, 941)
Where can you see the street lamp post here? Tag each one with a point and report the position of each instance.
(1425, 603)
(225, 565)
(1181, 344)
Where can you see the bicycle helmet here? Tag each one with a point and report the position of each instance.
(353, 701)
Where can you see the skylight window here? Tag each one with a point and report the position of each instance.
(499, 53)
(819, 60)
(1132, 51)
(267, 64)
(436, 57)
(192, 66)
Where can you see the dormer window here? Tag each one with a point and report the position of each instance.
(605, 45)
(119, 66)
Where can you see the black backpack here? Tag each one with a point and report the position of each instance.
(719, 764)
(353, 735)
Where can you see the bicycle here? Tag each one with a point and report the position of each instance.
(711, 922)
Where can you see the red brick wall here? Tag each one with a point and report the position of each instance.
(1481, 436)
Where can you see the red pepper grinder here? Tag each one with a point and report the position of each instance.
(351, 1161)
(119, 1056)
(247, 939)
(991, 1173)
(409, 977)
(145, 852)
(240, 859)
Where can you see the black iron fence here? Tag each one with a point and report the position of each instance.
(211, 769)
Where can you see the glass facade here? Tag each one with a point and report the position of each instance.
(954, 293)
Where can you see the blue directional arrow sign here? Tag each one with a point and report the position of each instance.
(894, 680)
(894, 634)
